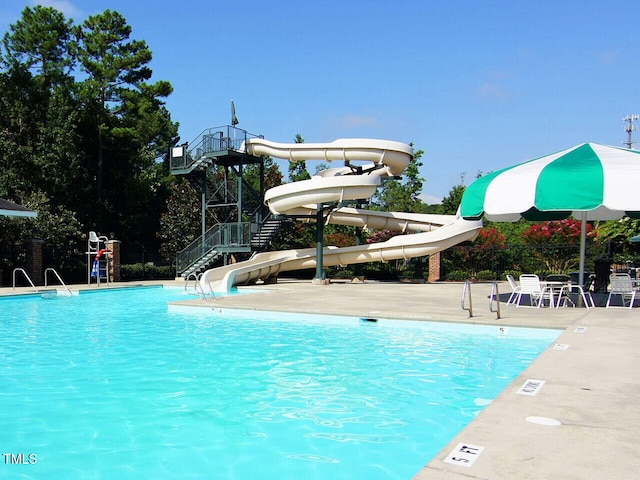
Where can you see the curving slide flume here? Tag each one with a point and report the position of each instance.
(365, 162)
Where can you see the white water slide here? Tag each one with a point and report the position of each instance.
(365, 162)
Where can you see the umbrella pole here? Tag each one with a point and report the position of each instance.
(583, 243)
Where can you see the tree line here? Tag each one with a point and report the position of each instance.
(84, 140)
(83, 133)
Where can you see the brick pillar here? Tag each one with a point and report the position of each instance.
(113, 246)
(33, 262)
(434, 267)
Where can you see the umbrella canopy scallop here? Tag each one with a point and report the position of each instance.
(601, 180)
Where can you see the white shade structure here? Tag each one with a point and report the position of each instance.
(9, 209)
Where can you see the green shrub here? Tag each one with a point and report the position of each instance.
(457, 276)
(139, 271)
(514, 273)
(379, 271)
(340, 273)
(485, 275)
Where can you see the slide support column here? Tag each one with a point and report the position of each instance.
(320, 277)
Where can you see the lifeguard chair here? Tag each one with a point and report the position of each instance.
(97, 258)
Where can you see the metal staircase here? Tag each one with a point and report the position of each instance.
(227, 238)
(202, 263)
(268, 231)
(221, 239)
(215, 164)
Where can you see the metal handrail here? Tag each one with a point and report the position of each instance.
(213, 293)
(219, 235)
(494, 297)
(50, 269)
(25, 276)
(186, 281)
(211, 142)
(196, 286)
(466, 293)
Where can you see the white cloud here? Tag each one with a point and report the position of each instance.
(356, 121)
(430, 199)
(494, 91)
(610, 57)
(64, 6)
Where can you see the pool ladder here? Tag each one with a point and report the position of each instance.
(197, 287)
(494, 298)
(53, 270)
(26, 276)
(467, 303)
(22, 270)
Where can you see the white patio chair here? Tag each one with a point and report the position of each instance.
(567, 290)
(515, 289)
(530, 285)
(621, 284)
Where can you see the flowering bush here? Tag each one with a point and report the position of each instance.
(554, 238)
(339, 239)
(381, 236)
(559, 232)
(489, 238)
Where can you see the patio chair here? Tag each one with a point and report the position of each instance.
(530, 285)
(515, 289)
(583, 291)
(621, 284)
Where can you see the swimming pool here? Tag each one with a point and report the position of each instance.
(114, 384)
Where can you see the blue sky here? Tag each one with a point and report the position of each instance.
(477, 84)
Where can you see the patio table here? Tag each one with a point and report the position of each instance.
(556, 289)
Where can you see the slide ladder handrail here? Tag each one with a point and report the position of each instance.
(466, 294)
(15, 270)
(494, 298)
(51, 269)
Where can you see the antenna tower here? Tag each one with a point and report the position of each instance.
(630, 128)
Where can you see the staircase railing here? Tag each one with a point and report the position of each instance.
(220, 235)
(209, 143)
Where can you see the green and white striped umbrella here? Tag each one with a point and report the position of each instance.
(598, 180)
(588, 182)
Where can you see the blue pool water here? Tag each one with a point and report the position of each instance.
(114, 384)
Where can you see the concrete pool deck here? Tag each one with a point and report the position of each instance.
(590, 373)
